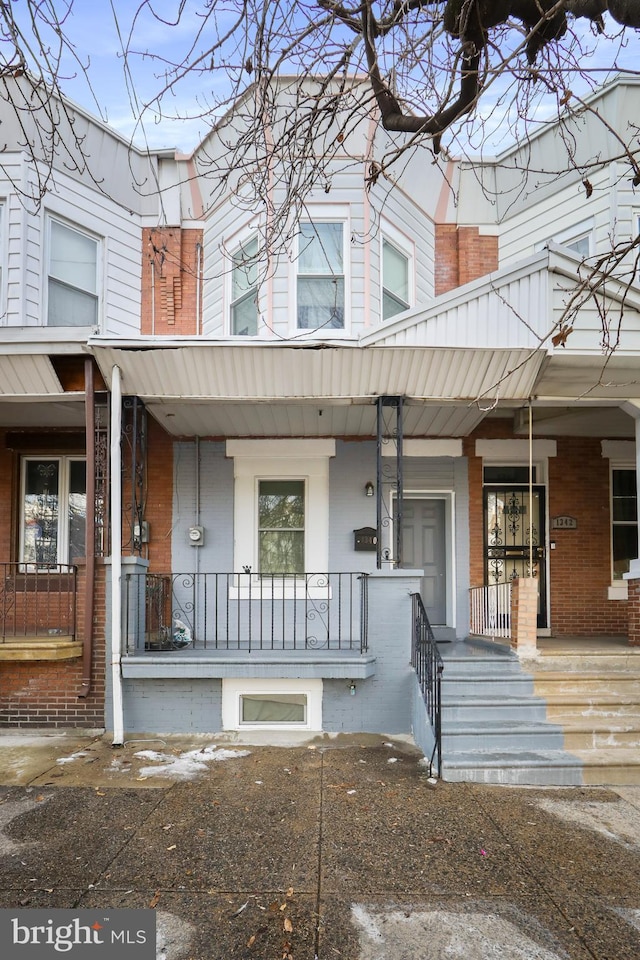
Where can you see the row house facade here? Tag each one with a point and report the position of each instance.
(233, 455)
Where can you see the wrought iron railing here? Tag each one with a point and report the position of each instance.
(244, 611)
(491, 611)
(428, 665)
(37, 600)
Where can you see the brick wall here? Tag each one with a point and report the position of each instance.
(43, 693)
(169, 271)
(580, 565)
(462, 254)
(159, 504)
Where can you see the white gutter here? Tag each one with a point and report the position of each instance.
(116, 558)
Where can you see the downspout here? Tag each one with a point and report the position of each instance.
(90, 528)
(198, 288)
(530, 488)
(116, 557)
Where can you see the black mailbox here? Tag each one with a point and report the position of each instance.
(366, 538)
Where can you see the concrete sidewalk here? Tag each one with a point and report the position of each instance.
(336, 848)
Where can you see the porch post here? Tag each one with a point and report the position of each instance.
(632, 407)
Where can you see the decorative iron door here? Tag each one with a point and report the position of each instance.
(509, 519)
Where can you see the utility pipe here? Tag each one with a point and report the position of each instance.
(90, 527)
(116, 557)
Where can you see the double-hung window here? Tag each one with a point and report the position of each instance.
(395, 280)
(244, 290)
(624, 520)
(321, 276)
(281, 512)
(73, 277)
(53, 510)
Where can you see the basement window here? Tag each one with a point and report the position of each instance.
(253, 704)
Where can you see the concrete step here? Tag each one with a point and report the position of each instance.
(502, 736)
(535, 767)
(610, 767)
(489, 708)
(603, 735)
(554, 684)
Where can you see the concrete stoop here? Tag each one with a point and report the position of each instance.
(554, 721)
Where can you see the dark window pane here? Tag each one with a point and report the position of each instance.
(508, 474)
(625, 548)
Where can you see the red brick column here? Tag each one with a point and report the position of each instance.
(524, 615)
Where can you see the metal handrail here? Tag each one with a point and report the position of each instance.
(429, 666)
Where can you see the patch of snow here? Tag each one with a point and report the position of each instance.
(74, 756)
(186, 765)
(173, 936)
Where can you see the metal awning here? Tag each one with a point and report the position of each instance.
(221, 389)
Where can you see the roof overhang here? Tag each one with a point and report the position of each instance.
(213, 389)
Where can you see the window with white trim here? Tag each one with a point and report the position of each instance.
(72, 277)
(624, 520)
(53, 510)
(281, 513)
(281, 505)
(395, 280)
(244, 290)
(283, 704)
(320, 284)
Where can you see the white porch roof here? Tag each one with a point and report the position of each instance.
(222, 389)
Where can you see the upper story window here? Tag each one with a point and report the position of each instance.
(53, 510)
(73, 277)
(244, 290)
(395, 280)
(321, 276)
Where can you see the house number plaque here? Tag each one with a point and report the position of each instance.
(564, 523)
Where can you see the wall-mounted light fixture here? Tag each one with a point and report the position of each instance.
(368, 489)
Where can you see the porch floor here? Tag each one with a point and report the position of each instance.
(296, 664)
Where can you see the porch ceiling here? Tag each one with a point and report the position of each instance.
(209, 376)
(307, 419)
(67, 412)
(589, 377)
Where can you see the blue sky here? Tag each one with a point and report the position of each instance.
(93, 28)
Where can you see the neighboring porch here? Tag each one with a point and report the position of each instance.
(38, 612)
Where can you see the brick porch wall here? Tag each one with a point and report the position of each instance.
(42, 693)
(580, 565)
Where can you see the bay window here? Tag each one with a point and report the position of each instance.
(321, 276)
(395, 280)
(73, 277)
(244, 290)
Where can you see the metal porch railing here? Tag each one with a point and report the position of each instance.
(428, 665)
(491, 611)
(245, 611)
(37, 601)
